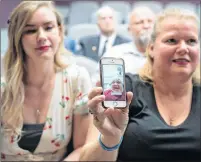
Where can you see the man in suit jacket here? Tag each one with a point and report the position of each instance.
(140, 27)
(96, 45)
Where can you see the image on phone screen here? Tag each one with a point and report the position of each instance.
(113, 82)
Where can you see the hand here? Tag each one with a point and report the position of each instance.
(111, 122)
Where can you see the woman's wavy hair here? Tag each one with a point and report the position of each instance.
(12, 100)
(146, 72)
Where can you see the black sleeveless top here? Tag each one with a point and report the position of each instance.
(31, 136)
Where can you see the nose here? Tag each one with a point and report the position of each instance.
(182, 48)
(146, 25)
(41, 35)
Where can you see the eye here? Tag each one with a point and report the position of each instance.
(30, 31)
(49, 28)
(192, 41)
(139, 22)
(171, 41)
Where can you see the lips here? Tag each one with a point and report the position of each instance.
(115, 86)
(43, 48)
(181, 61)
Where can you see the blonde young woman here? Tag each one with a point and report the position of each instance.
(163, 122)
(43, 101)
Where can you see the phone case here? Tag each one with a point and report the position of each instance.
(101, 73)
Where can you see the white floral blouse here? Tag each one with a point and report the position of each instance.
(69, 98)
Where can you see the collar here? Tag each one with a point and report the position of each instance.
(111, 37)
(134, 48)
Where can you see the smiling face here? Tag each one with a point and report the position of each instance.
(41, 36)
(117, 85)
(176, 48)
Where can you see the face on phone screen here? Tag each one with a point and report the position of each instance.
(113, 85)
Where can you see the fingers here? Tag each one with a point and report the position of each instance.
(99, 118)
(98, 84)
(95, 98)
(95, 91)
(95, 102)
(108, 111)
(129, 97)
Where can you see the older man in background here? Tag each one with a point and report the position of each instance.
(96, 45)
(140, 27)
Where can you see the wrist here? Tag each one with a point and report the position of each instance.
(110, 141)
(108, 144)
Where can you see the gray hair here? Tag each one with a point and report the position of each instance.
(104, 9)
(139, 9)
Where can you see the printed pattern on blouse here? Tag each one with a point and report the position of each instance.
(69, 98)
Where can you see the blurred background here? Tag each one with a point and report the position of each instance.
(79, 15)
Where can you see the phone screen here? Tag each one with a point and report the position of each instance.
(113, 83)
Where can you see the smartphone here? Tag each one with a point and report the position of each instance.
(112, 76)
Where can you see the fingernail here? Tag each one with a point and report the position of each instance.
(102, 97)
(100, 88)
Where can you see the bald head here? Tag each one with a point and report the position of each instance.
(142, 10)
(106, 20)
(105, 10)
(141, 24)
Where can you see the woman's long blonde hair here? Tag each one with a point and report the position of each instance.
(146, 73)
(12, 100)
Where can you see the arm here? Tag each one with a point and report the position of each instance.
(92, 150)
(81, 118)
(73, 46)
(80, 129)
(111, 123)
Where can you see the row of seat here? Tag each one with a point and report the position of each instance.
(84, 11)
(80, 30)
(75, 32)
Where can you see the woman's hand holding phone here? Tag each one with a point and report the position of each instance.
(111, 122)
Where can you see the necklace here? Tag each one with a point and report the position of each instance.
(171, 122)
(37, 115)
(183, 113)
(38, 112)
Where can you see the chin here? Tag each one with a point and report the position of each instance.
(47, 56)
(183, 74)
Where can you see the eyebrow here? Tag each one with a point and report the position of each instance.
(31, 25)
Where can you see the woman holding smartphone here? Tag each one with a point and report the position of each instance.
(162, 121)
